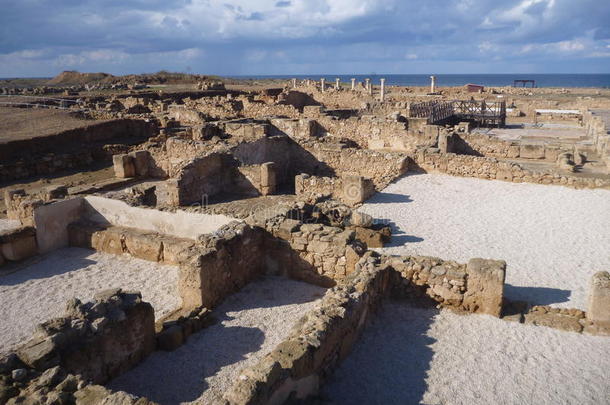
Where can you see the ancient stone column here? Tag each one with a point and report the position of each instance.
(322, 83)
(432, 84)
(382, 95)
(268, 178)
(337, 83)
(598, 310)
(353, 83)
(367, 84)
(294, 83)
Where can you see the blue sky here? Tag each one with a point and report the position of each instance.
(233, 37)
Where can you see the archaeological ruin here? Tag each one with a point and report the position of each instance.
(217, 244)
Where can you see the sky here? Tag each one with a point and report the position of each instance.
(40, 38)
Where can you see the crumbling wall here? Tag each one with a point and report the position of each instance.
(597, 130)
(204, 177)
(324, 337)
(225, 262)
(381, 167)
(75, 148)
(484, 145)
(98, 340)
(492, 169)
(351, 190)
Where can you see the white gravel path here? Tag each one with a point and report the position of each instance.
(553, 238)
(412, 355)
(250, 324)
(7, 224)
(40, 291)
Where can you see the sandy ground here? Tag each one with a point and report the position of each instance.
(413, 355)
(250, 324)
(8, 224)
(553, 238)
(28, 123)
(40, 291)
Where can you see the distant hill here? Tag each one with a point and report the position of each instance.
(72, 78)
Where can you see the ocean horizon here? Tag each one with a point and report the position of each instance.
(556, 80)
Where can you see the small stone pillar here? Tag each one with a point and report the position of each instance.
(356, 189)
(337, 83)
(432, 84)
(367, 84)
(294, 83)
(322, 84)
(353, 83)
(268, 178)
(382, 95)
(485, 286)
(140, 162)
(123, 166)
(598, 310)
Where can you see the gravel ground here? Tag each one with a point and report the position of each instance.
(250, 324)
(553, 238)
(40, 290)
(413, 355)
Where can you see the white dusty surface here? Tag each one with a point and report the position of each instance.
(40, 291)
(553, 238)
(250, 324)
(8, 224)
(412, 355)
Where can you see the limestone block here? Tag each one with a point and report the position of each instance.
(18, 244)
(268, 178)
(108, 240)
(356, 189)
(123, 166)
(531, 151)
(598, 309)
(140, 161)
(143, 246)
(485, 286)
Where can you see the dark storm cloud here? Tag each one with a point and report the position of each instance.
(270, 36)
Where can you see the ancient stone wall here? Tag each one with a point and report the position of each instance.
(70, 149)
(351, 190)
(324, 337)
(224, 263)
(600, 134)
(483, 145)
(381, 167)
(17, 244)
(431, 160)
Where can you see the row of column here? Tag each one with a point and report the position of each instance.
(367, 84)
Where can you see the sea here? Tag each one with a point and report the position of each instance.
(453, 80)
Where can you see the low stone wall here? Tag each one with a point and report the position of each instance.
(297, 367)
(76, 148)
(351, 190)
(144, 245)
(488, 146)
(17, 244)
(224, 263)
(91, 344)
(432, 160)
(381, 167)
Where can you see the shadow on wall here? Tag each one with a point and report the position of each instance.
(390, 361)
(461, 147)
(290, 158)
(536, 295)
